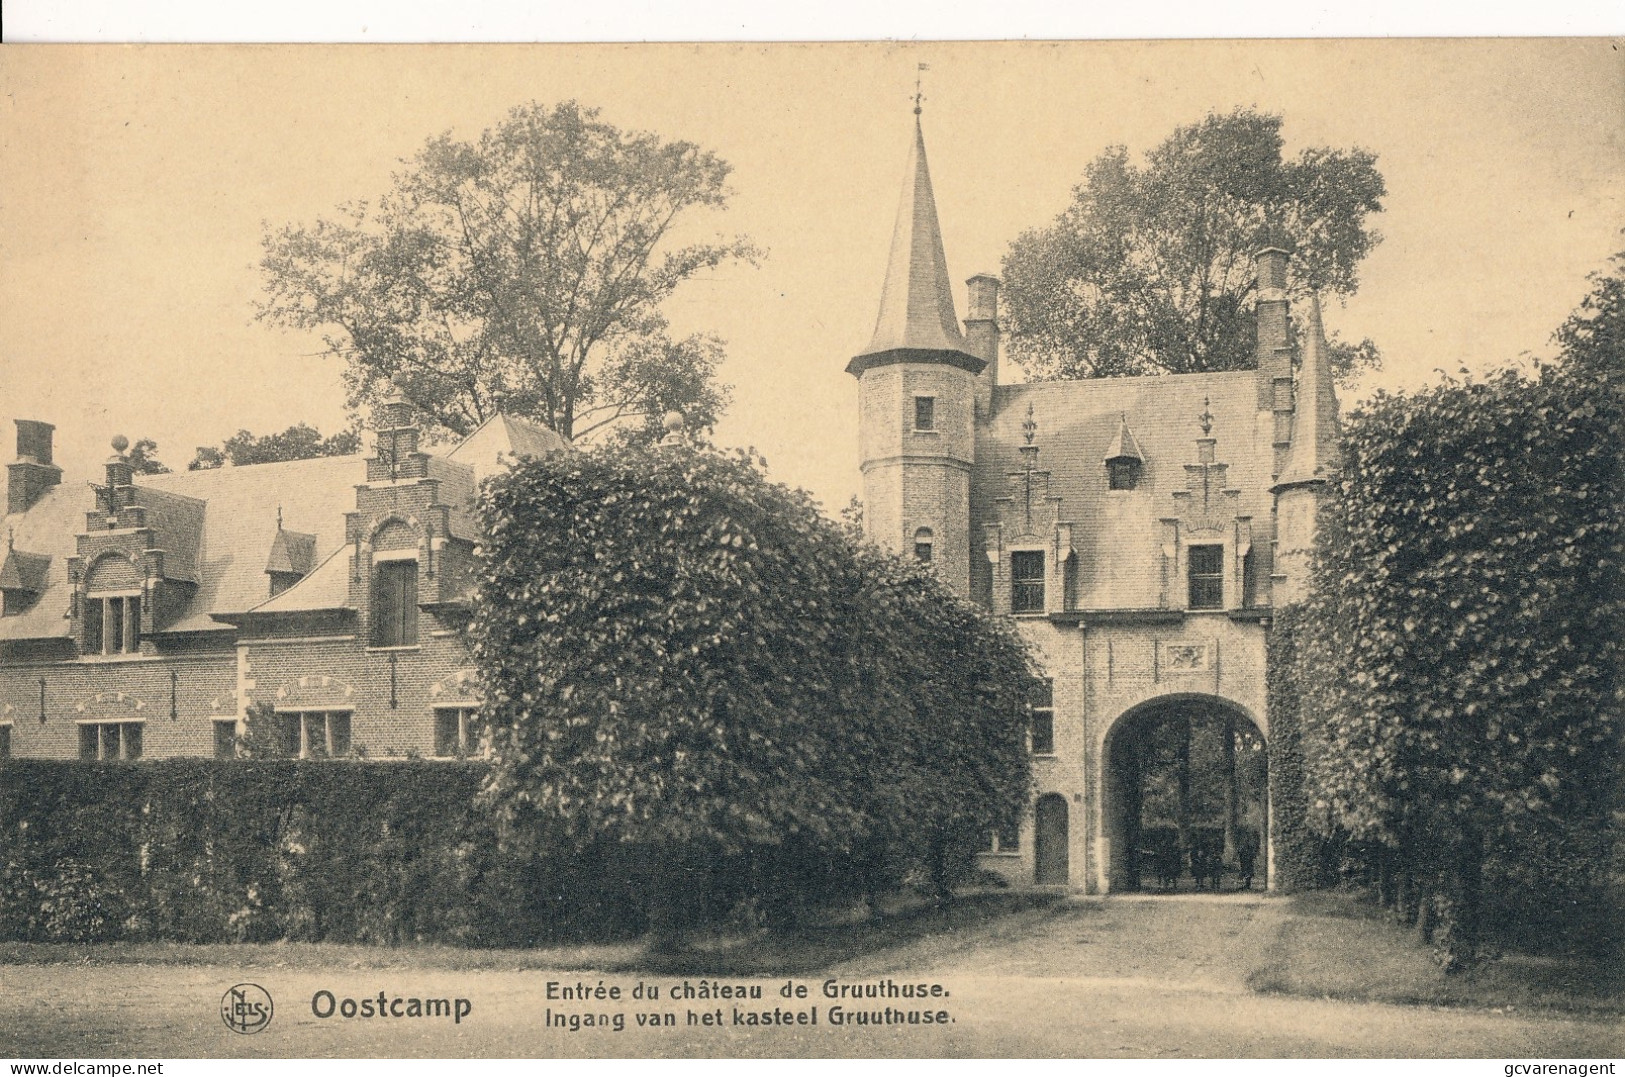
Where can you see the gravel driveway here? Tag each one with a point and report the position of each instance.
(1139, 977)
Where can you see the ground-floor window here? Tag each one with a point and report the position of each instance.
(314, 734)
(109, 740)
(225, 738)
(456, 732)
(1042, 721)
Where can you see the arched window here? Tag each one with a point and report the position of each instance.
(923, 539)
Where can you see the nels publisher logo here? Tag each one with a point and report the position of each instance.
(246, 1008)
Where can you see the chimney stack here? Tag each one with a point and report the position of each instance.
(1274, 349)
(982, 334)
(33, 473)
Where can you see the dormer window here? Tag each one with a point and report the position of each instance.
(22, 578)
(1122, 473)
(292, 555)
(925, 413)
(113, 624)
(923, 540)
(1027, 581)
(111, 621)
(1123, 458)
(1206, 569)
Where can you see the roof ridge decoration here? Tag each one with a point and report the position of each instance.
(1313, 454)
(917, 314)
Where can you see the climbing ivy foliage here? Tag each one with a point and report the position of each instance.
(1459, 658)
(683, 658)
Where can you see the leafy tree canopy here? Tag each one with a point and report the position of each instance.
(143, 458)
(297, 442)
(1150, 269)
(522, 271)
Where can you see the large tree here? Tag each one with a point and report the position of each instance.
(1149, 270)
(298, 442)
(143, 458)
(522, 271)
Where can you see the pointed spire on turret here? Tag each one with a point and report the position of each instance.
(916, 303)
(1313, 454)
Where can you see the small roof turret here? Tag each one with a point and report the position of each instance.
(1123, 446)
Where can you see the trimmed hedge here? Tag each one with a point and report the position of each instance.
(206, 851)
(688, 663)
(1456, 666)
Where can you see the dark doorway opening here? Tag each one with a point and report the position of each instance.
(1050, 840)
(1186, 784)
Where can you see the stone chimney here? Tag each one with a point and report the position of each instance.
(982, 334)
(1274, 352)
(33, 473)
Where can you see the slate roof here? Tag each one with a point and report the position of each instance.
(240, 524)
(47, 529)
(916, 302)
(501, 438)
(326, 588)
(1118, 540)
(1313, 455)
(220, 529)
(291, 552)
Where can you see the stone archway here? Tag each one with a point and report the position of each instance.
(1185, 787)
(1050, 840)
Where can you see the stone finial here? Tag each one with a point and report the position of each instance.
(120, 444)
(673, 422)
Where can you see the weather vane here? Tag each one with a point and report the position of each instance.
(1206, 418)
(918, 94)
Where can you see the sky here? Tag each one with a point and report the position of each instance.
(136, 183)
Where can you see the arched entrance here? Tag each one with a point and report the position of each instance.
(1050, 840)
(1185, 797)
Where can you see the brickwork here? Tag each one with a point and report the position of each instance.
(1103, 675)
(1143, 584)
(213, 637)
(919, 478)
(123, 689)
(343, 674)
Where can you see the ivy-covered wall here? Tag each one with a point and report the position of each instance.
(1293, 844)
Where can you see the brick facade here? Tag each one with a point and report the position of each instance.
(1129, 526)
(162, 607)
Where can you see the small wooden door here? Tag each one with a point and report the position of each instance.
(1049, 845)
